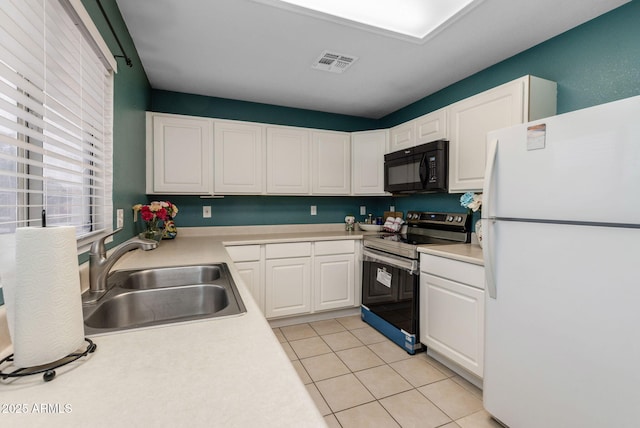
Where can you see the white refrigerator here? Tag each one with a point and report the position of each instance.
(561, 232)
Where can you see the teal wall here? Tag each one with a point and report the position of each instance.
(223, 108)
(132, 98)
(594, 63)
(263, 210)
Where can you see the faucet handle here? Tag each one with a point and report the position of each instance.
(98, 245)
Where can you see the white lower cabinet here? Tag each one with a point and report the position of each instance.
(250, 265)
(452, 310)
(298, 278)
(334, 281)
(288, 287)
(288, 279)
(251, 274)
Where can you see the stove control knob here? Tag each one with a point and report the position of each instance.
(459, 219)
(449, 218)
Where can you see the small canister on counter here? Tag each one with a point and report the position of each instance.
(349, 223)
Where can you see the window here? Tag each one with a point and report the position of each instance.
(56, 92)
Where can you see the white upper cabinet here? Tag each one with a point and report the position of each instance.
(239, 158)
(402, 136)
(331, 163)
(367, 162)
(429, 127)
(179, 154)
(432, 126)
(288, 161)
(519, 101)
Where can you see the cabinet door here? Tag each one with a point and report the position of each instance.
(331, 163)
(179, 154)
(251, 274)
(367, 166)
(452, 321)
(470, 121)
(238, 158)
(334, 282)
(287, 161)
(402, 136)
(288, 287)
(431, 126)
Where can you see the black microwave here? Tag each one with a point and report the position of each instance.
(422, 168)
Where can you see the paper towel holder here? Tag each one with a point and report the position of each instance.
(48, 370)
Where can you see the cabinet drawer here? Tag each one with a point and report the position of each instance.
(466, 273)
(323, 248)
(244, 253)
(289, 249)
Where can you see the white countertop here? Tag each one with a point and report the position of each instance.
(470, 253)
(229, 372)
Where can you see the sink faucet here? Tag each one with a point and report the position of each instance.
(99, 264)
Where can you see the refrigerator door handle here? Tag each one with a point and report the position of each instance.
(488, 221)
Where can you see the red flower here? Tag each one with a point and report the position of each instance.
(162, 214)
(146, 213)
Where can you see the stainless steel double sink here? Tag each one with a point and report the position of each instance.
(148, 297)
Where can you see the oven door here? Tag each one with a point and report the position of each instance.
(390, 288)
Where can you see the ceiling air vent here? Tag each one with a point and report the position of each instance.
(333, 62)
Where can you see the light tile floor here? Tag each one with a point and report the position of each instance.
(358, 378)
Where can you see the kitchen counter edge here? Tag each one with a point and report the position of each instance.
(469, 253)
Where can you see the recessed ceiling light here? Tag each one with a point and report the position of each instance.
(409, 19)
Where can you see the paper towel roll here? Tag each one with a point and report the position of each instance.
(47, 305)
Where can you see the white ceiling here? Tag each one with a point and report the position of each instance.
(245, 50)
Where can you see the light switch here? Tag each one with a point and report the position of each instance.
(314, 210)
(206, 211)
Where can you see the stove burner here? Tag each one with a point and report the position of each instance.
(424, 229)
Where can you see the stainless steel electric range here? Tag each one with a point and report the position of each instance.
(391, 272)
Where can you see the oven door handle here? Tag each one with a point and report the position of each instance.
(408, 265)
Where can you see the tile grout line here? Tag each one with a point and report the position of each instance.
(385, 363)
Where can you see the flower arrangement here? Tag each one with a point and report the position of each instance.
(471, 201)
(153, 214)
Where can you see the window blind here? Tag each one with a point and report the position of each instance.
(56, 92)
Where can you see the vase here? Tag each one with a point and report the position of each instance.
(478, 227)
(170, 230)
(152, 231)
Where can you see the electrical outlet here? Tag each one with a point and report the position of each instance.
(314, 210)
(206, 211)
(363, 210)
(392, 208)
(119, 218)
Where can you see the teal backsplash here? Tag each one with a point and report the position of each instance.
(264, 210)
